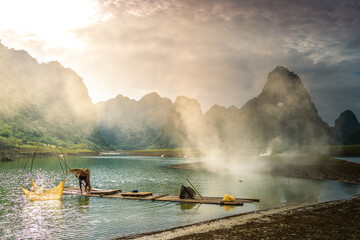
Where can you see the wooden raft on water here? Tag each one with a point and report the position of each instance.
(116, 193)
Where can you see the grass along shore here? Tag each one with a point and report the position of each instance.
(82, 149)
(28, 150)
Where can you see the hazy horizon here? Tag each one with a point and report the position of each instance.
(218, 52)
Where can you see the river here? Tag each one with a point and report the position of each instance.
(78, 217)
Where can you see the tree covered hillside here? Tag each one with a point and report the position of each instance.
(43, 103)
(129, 124)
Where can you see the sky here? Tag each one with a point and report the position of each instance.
(217, 51)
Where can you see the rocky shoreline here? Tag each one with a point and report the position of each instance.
(328, 220)
(321, 168)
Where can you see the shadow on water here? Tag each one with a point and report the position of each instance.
(83, 203)
(187, 206)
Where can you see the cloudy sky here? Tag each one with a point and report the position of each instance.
(217, 51)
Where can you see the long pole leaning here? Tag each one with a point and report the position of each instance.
(194, 189)
(63, 160)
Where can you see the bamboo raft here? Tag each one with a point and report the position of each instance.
(117, 193)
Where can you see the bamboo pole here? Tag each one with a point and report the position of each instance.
(194, 189)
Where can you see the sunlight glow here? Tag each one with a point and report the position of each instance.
(48, 22)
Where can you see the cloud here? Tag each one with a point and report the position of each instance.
(217, 51)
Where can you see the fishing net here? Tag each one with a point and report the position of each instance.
(38, 193)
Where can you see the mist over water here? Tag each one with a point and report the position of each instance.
(282, 115)
(82, 218)
(232, 140)
(215, 51)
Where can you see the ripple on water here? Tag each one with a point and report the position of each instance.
(79, 217)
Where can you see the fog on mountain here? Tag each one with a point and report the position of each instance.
(47, 103)
(283, 111)
(42, 102)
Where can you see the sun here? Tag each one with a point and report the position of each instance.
(50, 22)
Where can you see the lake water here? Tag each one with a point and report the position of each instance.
(351, 159)
(77, 217)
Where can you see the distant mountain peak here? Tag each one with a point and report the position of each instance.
(350, 115)
(122, 98)
(131, 124)
(285, 89)
(185, 100)
(232, 108)
(153, 98)
(284, 109)
(221, 110)
(282, 82)
(151, 95)
(346, 123)
(185, 104)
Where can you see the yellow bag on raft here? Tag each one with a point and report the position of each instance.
(38, 193)
(228, 198)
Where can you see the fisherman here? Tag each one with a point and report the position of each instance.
(187, 193)
(83, 174)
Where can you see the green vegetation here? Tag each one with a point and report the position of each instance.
(176, 152)
(13, 136)
(129, 139)
(74, 150)
(49, 104)
(44, 104)
(131, 125)
(23, 129)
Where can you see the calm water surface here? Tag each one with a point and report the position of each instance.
(78, 217)
(351, 159)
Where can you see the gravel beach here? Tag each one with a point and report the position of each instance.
(328, 220)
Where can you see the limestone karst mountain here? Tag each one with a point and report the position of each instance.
(347, 127)
(130, 124)
(183, 126)
(43, 102)
(283, 111)
(47, 103)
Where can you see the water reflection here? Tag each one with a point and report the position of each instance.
(39, 219)
(187, 206)
(349, 188)
(88, 218)
(272, 191)
(228, 208)
(83, 203)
